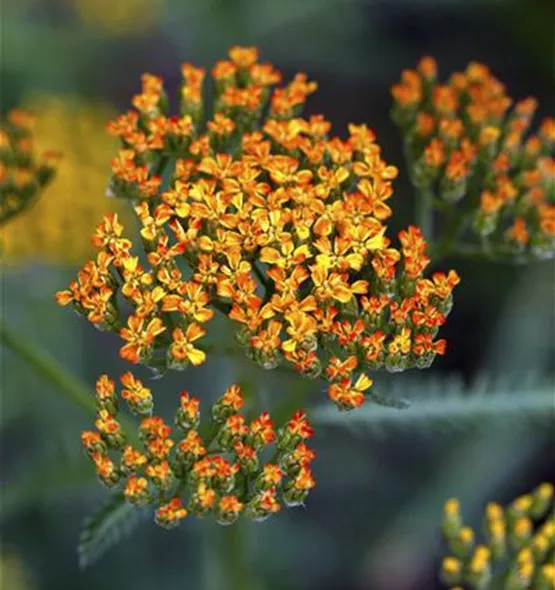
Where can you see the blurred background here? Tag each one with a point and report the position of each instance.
(372, 521)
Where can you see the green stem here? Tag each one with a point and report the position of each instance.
(221, 306)
(233, 552)
(444, 246)
(54, 373)
(162, 163)
(48, 368)
(425, 212)
(264, 281)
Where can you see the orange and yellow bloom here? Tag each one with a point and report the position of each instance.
(282, 225)
(468, 141)
(519, 543)
(222, 474)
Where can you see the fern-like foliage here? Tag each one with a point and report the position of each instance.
(114, 521)
(446, 403)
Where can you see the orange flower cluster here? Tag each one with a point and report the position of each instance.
(22, 176)
(519, 544)
(218, 464)
(465, 142)
(281, 226)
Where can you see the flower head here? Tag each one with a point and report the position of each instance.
(518, 542)
(184, 475)
(23, 172)
(282, 225)
(467, 136)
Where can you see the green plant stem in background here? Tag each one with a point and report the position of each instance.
(48, 368)
(233, 553)
(54, 373)
(424, 213)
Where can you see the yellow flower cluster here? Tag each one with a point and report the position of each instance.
(15, 573)
(465, 143)
(23, 175)
(124, 18)
(219, 463)
(281, 226)
(521, 537)
(57, 228)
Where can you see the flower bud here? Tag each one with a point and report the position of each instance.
(136, 491)
(92, 443)
(263, 505)
(452, 521)
(231, 402)
(105, 469)
(228, 509)
(543, 498)
(479, 569)
(161, 475)
(171, 514)
(188, 415)
(202, 500)
(451, 570)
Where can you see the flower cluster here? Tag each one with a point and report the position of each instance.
(281, 226)
(221, 464)
(22, 174)
(521, 536)
(57, 228)
(473, 152)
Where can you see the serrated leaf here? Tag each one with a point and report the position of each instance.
(436, 404)
(108, 526)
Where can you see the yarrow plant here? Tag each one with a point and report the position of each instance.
(221, 463)
(280, 226)
(56, 228)
(249, 210)
(23, 173)
(472, 158)
(519, 538)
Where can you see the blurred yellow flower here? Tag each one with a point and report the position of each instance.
(57, 228)
(13, 573)
(121, 18)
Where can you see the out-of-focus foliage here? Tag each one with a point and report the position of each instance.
(372, 521)
(443, 404)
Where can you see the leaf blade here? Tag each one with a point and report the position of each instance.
(115, 520)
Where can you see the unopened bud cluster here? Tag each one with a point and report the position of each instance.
(220, 465)
(468, 144)
(280, 225)
(518, 548)
(23, 173)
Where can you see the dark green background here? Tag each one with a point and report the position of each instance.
(371, 521)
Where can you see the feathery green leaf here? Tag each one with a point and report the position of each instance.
(439, 403)
(107, 527)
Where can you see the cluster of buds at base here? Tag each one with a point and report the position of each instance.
(474, 153)
(221, 467)
(517, 552)
(281, 228)
(23, 175)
